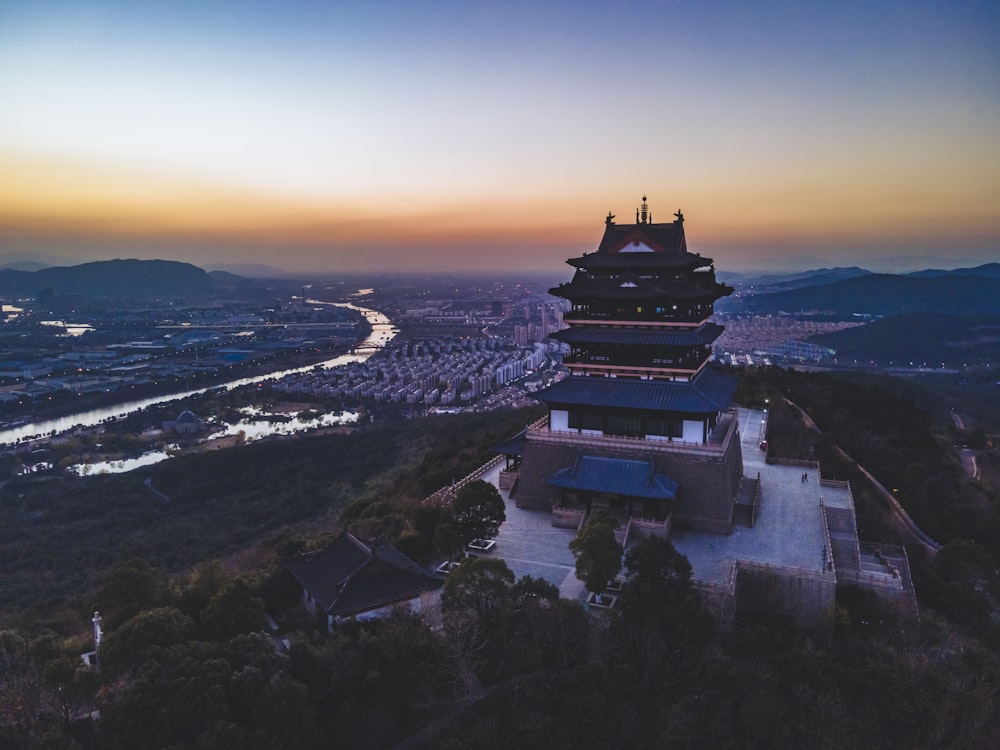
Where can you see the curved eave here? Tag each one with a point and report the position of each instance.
(577, 291)
(629, 478)
(708, 393)
(643, 261)
(701, 336)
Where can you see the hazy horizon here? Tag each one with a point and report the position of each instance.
(446, 136)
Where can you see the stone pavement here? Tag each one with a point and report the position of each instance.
(789, 530)
(531, 545)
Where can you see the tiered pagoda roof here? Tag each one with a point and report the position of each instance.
(709, 393)
(619, 476)
(701, 336)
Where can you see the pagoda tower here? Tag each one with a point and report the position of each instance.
(641, 426)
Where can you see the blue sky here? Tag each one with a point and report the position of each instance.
(336, 136)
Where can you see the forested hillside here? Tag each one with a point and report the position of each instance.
(919, 339)
(185, 665)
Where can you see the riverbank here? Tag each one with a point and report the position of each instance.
(79, 412)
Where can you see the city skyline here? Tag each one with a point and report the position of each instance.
(407, 136)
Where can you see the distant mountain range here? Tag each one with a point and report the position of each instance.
(963, 291)
(781, 282)
(921, 338)
(110, 279)
(249, 270)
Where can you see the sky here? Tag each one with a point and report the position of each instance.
(454, 135)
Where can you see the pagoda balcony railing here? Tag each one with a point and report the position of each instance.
(624, 317)
(728, 426)
(676, 363)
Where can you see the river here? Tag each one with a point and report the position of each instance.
(382, 332)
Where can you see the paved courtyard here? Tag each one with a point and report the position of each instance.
(531, 545)
(789, 530)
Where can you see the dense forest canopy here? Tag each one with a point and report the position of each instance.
(183, 585)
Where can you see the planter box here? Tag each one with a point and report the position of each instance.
(482, 545)
(602, 601)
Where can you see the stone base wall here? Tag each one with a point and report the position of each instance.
(806, 596)
(507, 479)
(708, 479)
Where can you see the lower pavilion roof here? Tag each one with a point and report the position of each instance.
(709, 392)
(580, 289)
(349, 576)
(513, 447)
(700, 336)
(616, 476)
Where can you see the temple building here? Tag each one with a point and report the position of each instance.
(643, 428)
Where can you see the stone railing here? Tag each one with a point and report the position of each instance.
(649, 526)
(786, 570)
(837, 483)
(568, 518)
(828, 549)
(446, 494)
(793, 462)
(508, 478)
(931, 546)
(622, 442)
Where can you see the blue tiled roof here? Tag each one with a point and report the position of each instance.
(616, 476)
(702, 335)
(709, 392)
(512, 447)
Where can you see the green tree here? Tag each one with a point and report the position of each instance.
(480, 586)
(598, 556)
(129, 588)
(659, 595)
(478, 511)
(129, 644)
(235, 609)
(656, 561)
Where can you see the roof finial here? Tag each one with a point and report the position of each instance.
(680, 216)
(645, 210)
(610, 220)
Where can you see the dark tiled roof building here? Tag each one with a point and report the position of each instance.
(640, 390)
(352, 578)
(643, 429)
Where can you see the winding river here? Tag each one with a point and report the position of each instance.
(382, 332)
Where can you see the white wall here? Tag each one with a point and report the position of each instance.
(693, 432)
(558, 420)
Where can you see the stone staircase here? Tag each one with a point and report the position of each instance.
(843, 539)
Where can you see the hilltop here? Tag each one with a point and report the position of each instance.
(884, 294)
(932, 338)
(110, 279)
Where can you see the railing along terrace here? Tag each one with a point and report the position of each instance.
(828, 549)
(545, 434)
(448, 491)
(786, 569)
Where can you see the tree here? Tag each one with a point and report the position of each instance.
(598, 556)
(656, 561)
(447, 539)
(478, 511)
(128, 645)
(235, 609)
(660, 593)
(129, 588)
(480, 585)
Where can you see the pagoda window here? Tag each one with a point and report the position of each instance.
(581, 420)
(622, 425)
(668, 426)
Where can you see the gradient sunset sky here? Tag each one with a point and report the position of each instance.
(497, 136)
